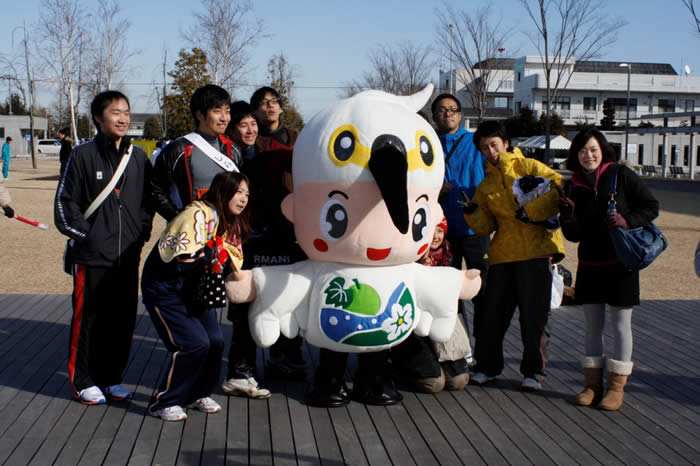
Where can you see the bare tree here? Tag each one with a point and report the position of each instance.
(690, 4)
(64, 41)
(225, 33)
(475, 41)
(28, 91)
(109, 57)
(402, 70)
(567, 30)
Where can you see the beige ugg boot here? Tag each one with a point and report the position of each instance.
(593, 379)
(618, 371)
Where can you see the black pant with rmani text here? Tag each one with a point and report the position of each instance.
(105, 301)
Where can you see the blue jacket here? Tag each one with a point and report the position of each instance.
(464, 171)
(6, 151)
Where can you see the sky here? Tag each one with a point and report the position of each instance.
(328, 42)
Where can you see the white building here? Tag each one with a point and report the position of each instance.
(654, 88)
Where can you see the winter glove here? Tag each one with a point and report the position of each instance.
(617, 220)
(529, 182)
(521, 215)
(468, 207)
(9, 211)
(566, 207)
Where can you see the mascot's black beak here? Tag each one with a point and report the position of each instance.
(388, 165)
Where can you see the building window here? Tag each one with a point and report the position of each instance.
(506, 83)
(500, 102)
(640, 156)
(590, 103)
(667, 105)
(660, 155)
(686, 153)
(689, 105)
(518, 76)
(697, 157)
(2, 132)
(620, 104)
(518, 106)
(674, 154)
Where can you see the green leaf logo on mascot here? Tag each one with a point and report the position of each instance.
(367, 172)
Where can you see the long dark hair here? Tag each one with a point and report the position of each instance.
(222, 189)
(608, 153)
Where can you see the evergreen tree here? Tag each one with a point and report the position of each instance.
(151, 128)
(524, 124)
(557, 126)
(18, 107)
(189, 74)
(608, 121)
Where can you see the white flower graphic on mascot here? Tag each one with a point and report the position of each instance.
(367, 172)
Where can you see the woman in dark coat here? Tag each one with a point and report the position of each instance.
(601, 280)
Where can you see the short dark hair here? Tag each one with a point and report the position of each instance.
(8, 138)
(259, 95)
(446, 95)
(240, 110)
(100, 102)
(608, 153)
(65, 131)
(207, 97)
(490, 129)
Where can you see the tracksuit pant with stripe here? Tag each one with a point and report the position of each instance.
(105, 300)
(196, 343)
(526, 285)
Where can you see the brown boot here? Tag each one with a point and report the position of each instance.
(593, 378)
(618, 371)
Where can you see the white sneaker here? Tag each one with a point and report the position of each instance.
(118, 393)
(245, 387)
(171, 413)
(480, 378)
(90, 396)
(206, 405)
(530, 384)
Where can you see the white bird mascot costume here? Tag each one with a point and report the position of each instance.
(367, 173)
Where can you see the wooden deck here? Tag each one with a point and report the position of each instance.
(659, 423)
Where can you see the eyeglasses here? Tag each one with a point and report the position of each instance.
(447, 110)
(269, 102)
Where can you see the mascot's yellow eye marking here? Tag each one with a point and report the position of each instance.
(423, 156)
(344, 147)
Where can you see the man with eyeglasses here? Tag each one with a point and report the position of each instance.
(274, 146)
(464, 170)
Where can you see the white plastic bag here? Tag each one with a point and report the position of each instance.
(557, 288)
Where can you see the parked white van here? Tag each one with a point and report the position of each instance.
(48, 146)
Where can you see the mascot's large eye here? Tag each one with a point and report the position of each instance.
(426, 150)
(419, 225)
(344, 145)
(334, 220)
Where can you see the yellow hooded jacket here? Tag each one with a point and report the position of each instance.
(514, 240)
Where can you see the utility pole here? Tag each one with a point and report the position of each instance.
(451, 64)
(627, 118)
(164, 125)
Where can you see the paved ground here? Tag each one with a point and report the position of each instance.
(31, 258)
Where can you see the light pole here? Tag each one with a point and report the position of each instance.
(627, 118)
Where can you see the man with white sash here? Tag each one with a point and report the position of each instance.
(100, 205)
(185, 168)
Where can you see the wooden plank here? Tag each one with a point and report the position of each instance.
(302, 430)
(367, 434)
(237, 431)
(281, 435)
(448, 427)
(348, 440)
(214, 448)
(259, 432)
(388, 433)
(326, 441)
(169, 442)
(190, 441)
(439, 446)
(414, 442)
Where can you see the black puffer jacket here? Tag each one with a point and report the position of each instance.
(122, 223)
(174, 168)
(589, 225)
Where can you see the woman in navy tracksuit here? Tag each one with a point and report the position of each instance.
(171, 278)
